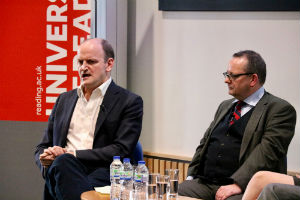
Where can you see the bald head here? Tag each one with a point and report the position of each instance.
(105, 45)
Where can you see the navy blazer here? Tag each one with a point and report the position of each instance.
(117, 130)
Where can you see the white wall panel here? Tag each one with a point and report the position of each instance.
(176, 60)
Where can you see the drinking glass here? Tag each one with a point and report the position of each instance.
(174, 175)
(152, 186)
(163, 184)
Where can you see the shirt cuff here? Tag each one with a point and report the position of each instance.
(72, 151)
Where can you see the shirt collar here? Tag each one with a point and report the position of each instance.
(103, 88)
(254, 98)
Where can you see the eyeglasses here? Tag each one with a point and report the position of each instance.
(234, 76)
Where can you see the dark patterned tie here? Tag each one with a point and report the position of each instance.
(237, 112)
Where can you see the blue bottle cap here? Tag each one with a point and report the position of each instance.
(116, 157)
(141, 162)
(127, 160)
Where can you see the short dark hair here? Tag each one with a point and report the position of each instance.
(108, 50)
(256, 64)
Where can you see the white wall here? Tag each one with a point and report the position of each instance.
(176, 60)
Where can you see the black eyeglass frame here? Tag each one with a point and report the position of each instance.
(234, 76)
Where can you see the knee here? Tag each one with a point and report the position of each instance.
(62, 161)
(185, 187)
(194, 189)
(181, 188)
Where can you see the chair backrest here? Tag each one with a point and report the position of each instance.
(138, 153)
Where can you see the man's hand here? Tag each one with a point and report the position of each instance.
(50, 154)
(46, 158)
(57, 151)
(226, 191)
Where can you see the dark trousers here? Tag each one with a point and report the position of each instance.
(277, 191)
(67, 178)
(199, 189)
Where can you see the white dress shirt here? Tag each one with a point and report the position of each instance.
(252, 100)
(82, 126)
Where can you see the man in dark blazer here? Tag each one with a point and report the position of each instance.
(88, 126)
(249, 133)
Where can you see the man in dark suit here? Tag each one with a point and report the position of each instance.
(249, 133)
(88, 126)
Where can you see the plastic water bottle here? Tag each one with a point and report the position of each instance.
(141, 176)
(126, 180)
(115, 169)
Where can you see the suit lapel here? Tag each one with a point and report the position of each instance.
(110, 99)
(68, 115)
(252, 123)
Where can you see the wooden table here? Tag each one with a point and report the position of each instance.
(93, 195)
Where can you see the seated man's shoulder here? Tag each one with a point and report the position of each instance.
(274, 100)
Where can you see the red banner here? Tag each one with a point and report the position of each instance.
(39, 43)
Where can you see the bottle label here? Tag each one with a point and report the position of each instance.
(116, 173)
(126, 174)
(140, 178)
